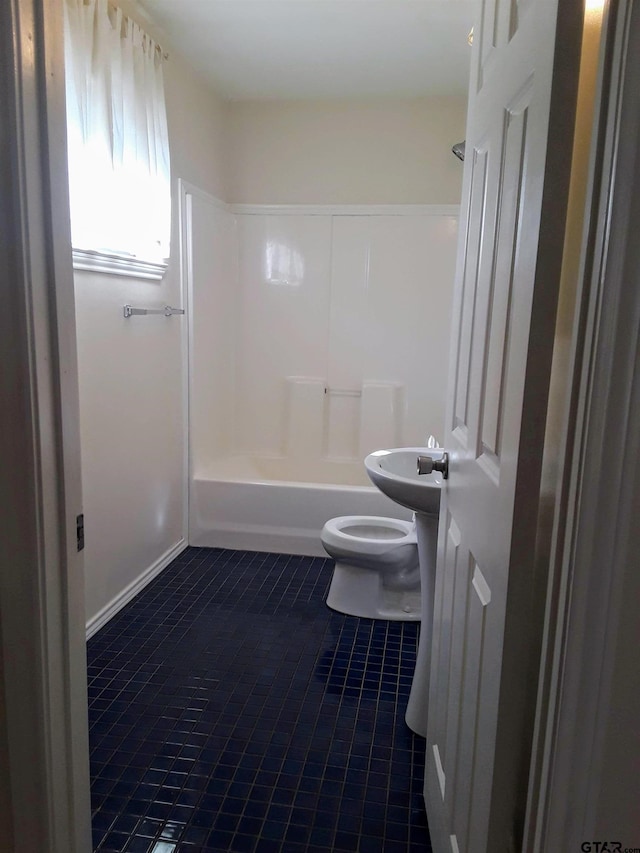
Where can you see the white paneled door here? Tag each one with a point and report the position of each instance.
(486, 625)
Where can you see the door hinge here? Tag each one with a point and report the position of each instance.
(80, 531)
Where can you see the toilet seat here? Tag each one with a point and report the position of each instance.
(368, 534)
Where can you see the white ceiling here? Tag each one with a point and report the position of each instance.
(267, 49)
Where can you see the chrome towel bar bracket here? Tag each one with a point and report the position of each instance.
(342, 392)
(168, 311)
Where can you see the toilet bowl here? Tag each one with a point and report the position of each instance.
(377, 573)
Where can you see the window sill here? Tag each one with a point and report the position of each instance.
(104, 262)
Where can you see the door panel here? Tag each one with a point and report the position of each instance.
(472, 629)
(447, 669)
(507, 256)
(498, 325)
(474, 230)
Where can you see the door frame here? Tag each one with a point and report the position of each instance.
(44, 767)
(596, 535)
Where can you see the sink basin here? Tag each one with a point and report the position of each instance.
(395, 473)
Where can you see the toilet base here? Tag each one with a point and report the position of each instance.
(360, 592)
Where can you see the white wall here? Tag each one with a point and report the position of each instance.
(131, 383)
(198, 120)
(345, 152)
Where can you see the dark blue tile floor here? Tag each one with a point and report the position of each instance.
(231, 710)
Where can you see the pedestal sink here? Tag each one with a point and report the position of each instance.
(395, 473)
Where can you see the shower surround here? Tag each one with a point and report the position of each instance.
(317, 334)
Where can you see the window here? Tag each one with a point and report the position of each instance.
(119, 180)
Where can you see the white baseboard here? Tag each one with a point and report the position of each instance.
(109, 610)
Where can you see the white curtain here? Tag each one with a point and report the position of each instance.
(119, 181)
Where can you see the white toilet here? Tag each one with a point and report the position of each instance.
(377, 573)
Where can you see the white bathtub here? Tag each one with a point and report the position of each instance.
(278, 504)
